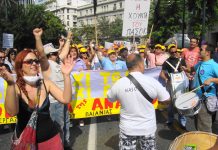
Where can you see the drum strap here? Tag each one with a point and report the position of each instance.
(175, 69)
(139, 87)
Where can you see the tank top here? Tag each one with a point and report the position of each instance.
(45, 129)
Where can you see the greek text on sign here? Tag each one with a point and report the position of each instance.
(136, 14)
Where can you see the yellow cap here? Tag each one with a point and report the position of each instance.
(158, 45)
(83, 50)
(163, 47)
(121, 48)
(79, 46)
(110, 51)
(179, 50)
(101, 47)
(73, 45)
(143, 46)
(170, 46)
(139, 47)
(141, 51)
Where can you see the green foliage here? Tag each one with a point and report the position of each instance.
(22, 20)
(107, 31)
(167, 17)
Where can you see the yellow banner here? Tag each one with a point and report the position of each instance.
(4, 117)
(89, 94)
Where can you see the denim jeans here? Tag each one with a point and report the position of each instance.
(59, 113)
(170, 112)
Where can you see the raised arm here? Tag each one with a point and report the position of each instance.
(65, 49)
(11, 99)
(64, 96)
(39, 46)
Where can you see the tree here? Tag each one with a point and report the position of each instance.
(195, 13)
(22, 20)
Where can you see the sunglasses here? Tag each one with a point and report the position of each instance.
(31, 61)
(54, 53)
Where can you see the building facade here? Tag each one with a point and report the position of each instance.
(26, 2)
(110, 9)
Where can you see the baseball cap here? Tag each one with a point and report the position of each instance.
(49, 48)
(158, 45)
(79, 46)
(110, 51)
(83, 50)
(170, 46)
(141, 51)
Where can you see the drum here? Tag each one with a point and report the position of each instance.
(195, 140)
(188, 104)
(179, 84)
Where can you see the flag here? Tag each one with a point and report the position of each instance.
(95, 6)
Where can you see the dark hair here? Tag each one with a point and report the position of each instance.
(133, 62)
(123, 50)
(210, 48)
(1, 51)
(197, 39)
(11, 52)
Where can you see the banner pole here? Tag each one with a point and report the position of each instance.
(96, 34)
(151, 32)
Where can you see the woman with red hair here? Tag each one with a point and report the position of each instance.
(29, 92)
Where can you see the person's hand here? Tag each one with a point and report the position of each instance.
(37, 32)
(6, 75)
(207, 82)
(68, 65)
(61, 42)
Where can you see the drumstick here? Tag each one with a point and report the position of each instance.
(196, 88)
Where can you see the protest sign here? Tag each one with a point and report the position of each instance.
(8, 40)
(136, 14)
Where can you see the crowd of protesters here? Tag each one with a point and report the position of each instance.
(55, 66)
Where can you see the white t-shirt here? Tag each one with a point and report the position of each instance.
(56, 76)
(137, 115)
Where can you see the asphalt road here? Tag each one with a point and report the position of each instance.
(102, 133)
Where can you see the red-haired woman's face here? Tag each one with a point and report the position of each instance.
(30, 66)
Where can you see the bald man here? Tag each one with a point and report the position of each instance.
(137, 115)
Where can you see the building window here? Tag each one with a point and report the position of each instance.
(87, 12)
(115, 7)
(68, 17)
(104, 8)
(121, 4)
(107, 7)
(74, 17)
(81, 13)
(67, 10)
(90, 11)
(68, 23)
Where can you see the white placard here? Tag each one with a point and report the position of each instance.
(108, 45)
(8, 40)
(136, 14)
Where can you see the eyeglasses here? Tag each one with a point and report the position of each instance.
(31, 61)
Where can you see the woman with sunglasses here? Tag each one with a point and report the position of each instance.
(21, 97)
(87, 55)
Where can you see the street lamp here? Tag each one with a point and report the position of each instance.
(203, 21)
(183, 25)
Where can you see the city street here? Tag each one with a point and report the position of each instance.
(102, 133)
